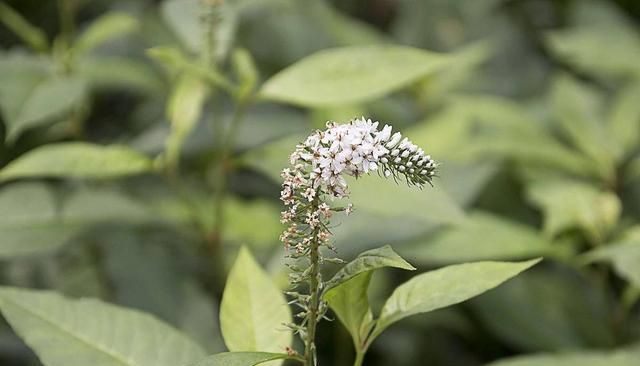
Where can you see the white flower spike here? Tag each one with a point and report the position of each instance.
(317, 172)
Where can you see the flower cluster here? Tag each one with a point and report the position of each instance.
(317, 171)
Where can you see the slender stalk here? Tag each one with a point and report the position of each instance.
(314, 305)
(359, 358)
(315, 281)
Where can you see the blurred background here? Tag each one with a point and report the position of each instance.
(536, 121)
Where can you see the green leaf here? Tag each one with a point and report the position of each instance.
(20, 73)
(350, 302)
(66, 332)
(184, 110)
(50, 100)
(482, 236)
(185, 19)
(444, 287)
(386, 198)
(77, 160)
(351, 74)
(624, 254)
(183, 16)
(578, 109)
(240, 359)
(368, 261)
(120, 72)
(551, 309)
(346, 292)
(253, 309)
(30, 34)
(584, 47)
(494, 127)
(584, 358)
(624, 119)
(103, 29)
(32, 222)
(571, 204)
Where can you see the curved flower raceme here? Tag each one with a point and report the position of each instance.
(317, 176)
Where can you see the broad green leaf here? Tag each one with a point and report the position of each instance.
(103, 29)
(32, 222)
(578, 109)
(119, 72)
(185, 17)
(77, 160)
(20, 74)
(51, 99)
(253, 309)
(347, 295)
(368, 261)
(584, 46)
(624, 119)
(584, 358)
(350, 302)
(184, 110)
(29, 221)
(536, 152)
(240, 359)
(498, 128)
(482, 236)
(444, 287)
(387, 198)
(30, 34)
(351, 75)
(550, 309)
(624, 254)
(572, 204)
(65, 332)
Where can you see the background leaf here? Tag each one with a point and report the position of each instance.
(617, 358)
(624, 254)
(103, 29)
(572, 204)
(482, 236)
(51, 99)
(351, 75)
(253, 309)
(34, 220)
(550, 309)
(77, 160)
(93, 332)
(30, 34)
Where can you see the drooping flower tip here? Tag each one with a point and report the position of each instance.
(357, 148)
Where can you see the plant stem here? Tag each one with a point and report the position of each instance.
(359, 358)
(314, 290)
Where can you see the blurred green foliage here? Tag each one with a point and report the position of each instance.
(140, 150)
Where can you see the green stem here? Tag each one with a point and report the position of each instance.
(314, 291)
(359, 358)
